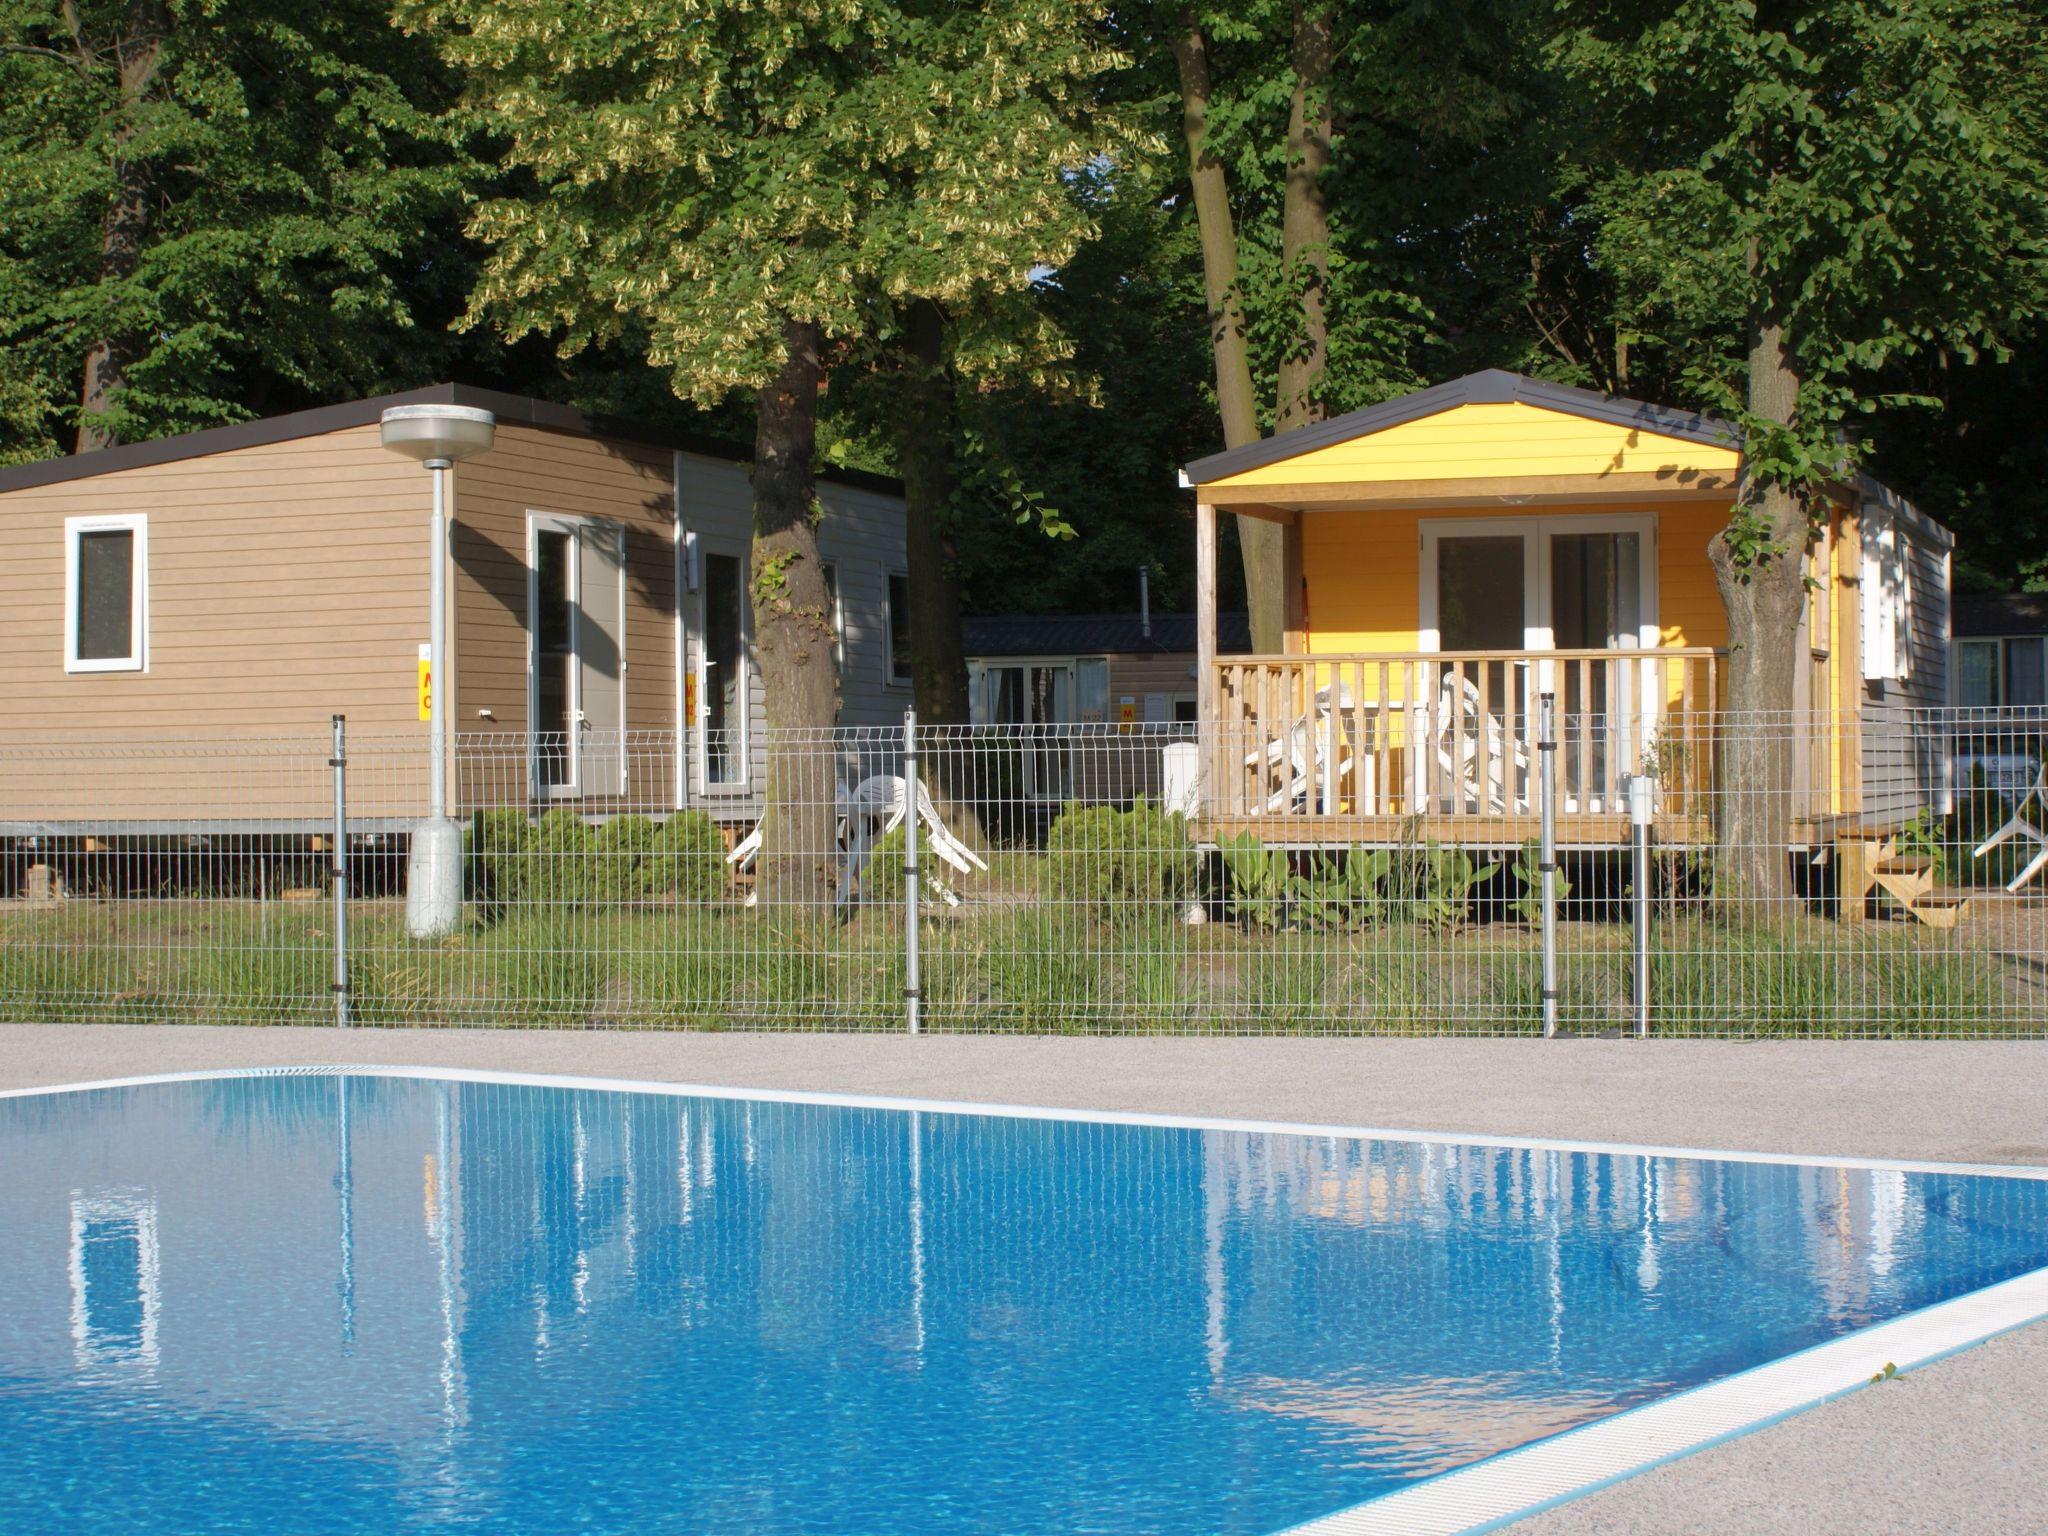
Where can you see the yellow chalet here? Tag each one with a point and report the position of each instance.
(1455, 555)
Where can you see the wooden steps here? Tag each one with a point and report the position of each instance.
(1867, 862)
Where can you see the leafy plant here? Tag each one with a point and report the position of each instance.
(1924, 837)
(1111, 861)
(1258, 878)
(684, 859)
(1528, 869)
(1342, 891)
(1437, 883)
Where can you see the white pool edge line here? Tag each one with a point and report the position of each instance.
(1503, 1489)
(1547, 1473)
(1037, 1112)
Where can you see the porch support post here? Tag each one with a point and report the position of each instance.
(1296, 605)
(1208, 725)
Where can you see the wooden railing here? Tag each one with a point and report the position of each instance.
(1367, 738)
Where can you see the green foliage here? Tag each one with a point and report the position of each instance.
(1866, 178)
(1433, 885)
(1343, 891)
(1923, 837)
(683, 861)
(1528, 871)
(1133, 864)
(298, 201)
(702, 175)
(1257, 877)
(560, 861)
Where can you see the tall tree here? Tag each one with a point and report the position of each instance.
(1802, 196)
(206, 208)
(730, 182)
(1296, 116)
(1045, 139)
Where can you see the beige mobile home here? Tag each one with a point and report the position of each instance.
(235, 588)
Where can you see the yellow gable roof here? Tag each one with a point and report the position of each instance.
(1504, 440)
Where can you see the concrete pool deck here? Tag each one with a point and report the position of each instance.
(1951, 1447)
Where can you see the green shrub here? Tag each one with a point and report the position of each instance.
(497, 841)
(881, 877)
(684, 860)
(617, 849)
(557, 867)
(1113, 862)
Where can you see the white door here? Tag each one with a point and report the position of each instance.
(576, 679)
(1538, 584)
(601, 657)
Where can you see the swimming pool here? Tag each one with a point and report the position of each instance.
(393, 1301)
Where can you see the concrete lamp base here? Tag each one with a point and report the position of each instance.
(433, 879)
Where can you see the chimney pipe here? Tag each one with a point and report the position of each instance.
(1145, 601)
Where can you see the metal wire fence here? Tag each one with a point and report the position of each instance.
(1810, 875)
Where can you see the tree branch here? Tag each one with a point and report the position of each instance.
(33, 51)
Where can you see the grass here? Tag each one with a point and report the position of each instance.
(1010, 964)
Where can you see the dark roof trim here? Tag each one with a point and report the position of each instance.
(518, 410)
(1995, 615)
(1097, 634)
(1495, 386)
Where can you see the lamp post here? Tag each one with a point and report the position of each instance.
(437, 436)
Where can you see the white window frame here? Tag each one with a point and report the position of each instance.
(1887, 597)
(136, 524)
(1996, 645)
(1538, 630)
(890, 676)
(701, 665)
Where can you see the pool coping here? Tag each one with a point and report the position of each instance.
(1511, 1485)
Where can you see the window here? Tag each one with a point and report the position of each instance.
(1994, 674)
(2023, 674)
(106, 583)
(899, 629)
(1977, 674)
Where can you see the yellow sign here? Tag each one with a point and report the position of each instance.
(689, 699)
(426, 682)
(1126, 715)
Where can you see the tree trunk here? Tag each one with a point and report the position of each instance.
(798, 861)
(1262, 544)
(126, 228)
(1764, 596)
(1305, 218)
(925, 447)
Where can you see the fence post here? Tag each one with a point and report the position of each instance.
(913, 800)
(1641, 807)
(1546, 750)
(338, 870)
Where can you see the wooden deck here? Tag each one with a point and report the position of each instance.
(1383, 748)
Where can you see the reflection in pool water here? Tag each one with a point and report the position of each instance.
(384, 1304)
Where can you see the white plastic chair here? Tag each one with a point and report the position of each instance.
(876, 808)
(1306, 747)
(2019, 826)
(1452, 729)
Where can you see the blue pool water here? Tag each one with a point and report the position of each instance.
(359, 1304)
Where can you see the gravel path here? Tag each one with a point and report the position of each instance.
(1950, 1448)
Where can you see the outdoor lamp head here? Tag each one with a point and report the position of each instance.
(438, 434)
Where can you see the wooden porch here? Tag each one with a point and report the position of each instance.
(1380, 748)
